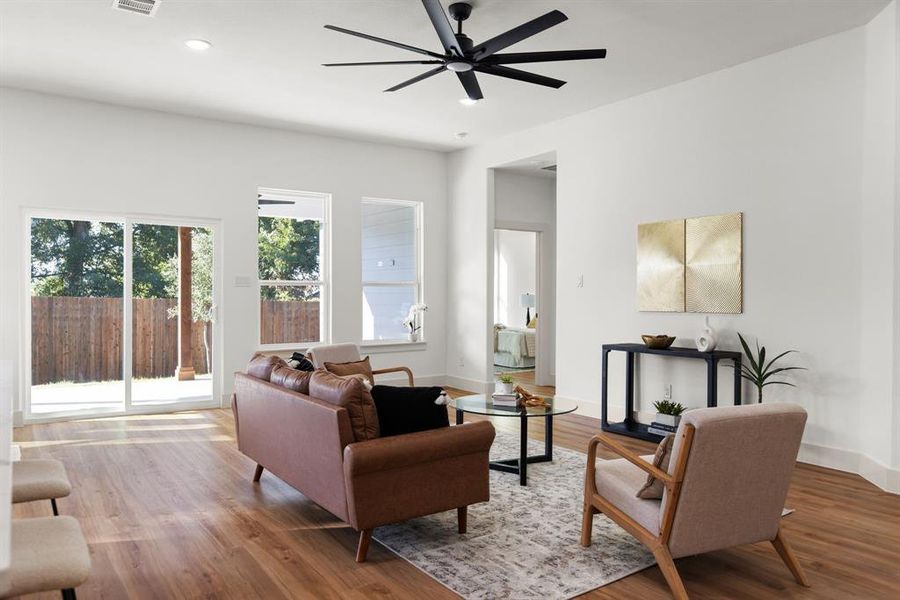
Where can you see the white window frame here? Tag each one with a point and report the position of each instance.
(420, 261)
(323, 282)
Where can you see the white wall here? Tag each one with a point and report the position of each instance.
(70, 154)
(515, 273)
(797, 141)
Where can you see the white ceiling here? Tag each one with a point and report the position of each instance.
(265, 68)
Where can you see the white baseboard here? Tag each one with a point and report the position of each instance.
(469, 385)
(865, 466)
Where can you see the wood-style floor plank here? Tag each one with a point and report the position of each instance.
(169, 510)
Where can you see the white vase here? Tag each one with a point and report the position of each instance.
(503, 388)
(412, 337)
(706, 341)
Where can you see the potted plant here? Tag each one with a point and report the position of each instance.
(668, 412)
(411, 322)
(759, 371)
(504, 384)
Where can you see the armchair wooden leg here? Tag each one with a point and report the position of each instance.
(587, 525)
(462, 518)
(258, 474)
(365, 536)
(790, 559)
(667, 566)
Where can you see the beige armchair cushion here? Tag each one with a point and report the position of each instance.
(47, 554)
(39, 479)
(617, 481)
(334, 353)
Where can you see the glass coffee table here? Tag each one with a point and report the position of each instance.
(481, 404)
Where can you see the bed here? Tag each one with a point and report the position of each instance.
(514, 347)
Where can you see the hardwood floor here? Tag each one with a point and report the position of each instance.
(169, 509)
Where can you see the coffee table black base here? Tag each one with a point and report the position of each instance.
(519, 466)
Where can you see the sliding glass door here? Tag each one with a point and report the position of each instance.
(121, 316)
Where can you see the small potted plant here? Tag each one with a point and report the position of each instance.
(504, 384)
(668, 412)
(412, 323)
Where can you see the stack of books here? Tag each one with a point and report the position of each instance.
(661, 428)
(505, 400)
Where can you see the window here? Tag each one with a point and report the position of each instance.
(293, 286)
(391, 266)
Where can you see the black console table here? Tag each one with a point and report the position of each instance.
(632, 428)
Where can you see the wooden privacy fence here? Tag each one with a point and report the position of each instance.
(289, 321)
(80, 339)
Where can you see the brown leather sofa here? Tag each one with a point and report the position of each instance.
(312, 444)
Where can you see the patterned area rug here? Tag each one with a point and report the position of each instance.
(524, 543)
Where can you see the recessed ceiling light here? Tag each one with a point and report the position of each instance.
(198, 45)
(468, 101)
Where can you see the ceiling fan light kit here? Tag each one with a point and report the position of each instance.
(462, 57)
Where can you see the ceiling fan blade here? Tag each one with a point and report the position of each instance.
(501, 71)
(470, 82)
(442, 26)
(372, 38)
(416, 79)
(517, 34)
(385, 62)
(261, 201)
(510, 58)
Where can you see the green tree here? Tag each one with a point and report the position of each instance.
(76, 258)
(289, 250)
(153, 248)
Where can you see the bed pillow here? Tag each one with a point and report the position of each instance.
(409, 409)
(653, 488)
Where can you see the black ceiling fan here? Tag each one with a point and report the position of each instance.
(464, 58)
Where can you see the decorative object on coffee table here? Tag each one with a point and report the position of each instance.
(706, 341)
(481, 404)
(658, 341)
(504, 384)
(668, 415)
(759, 371)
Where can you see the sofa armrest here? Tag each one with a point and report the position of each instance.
(400, 451)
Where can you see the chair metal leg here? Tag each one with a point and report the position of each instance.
(53, 504)
(68, 594)
(258, 474)
(790, 559)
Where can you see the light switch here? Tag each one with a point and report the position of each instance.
(579, 282)
(242, 281)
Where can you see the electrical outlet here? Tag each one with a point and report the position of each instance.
(667, 391)
(579, 281)
(461, 362)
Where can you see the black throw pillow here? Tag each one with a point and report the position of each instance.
(408, 409)
(300, 362)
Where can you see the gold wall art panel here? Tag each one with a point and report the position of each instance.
(660, 266)
(691, 265)
(713, 256)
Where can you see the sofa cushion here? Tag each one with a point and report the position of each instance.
(350, 393)
(360, 367)
(408, 409)
(293, 379)
(261, 365)
(653, 488)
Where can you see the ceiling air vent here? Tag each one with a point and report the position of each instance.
(141, 7)
(549, 168)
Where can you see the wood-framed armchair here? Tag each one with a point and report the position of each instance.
(726, 485)
(348, 352)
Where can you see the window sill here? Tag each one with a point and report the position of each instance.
(379, 346)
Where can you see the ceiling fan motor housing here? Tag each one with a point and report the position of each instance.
(460, 11)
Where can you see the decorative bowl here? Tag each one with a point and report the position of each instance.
(658, 341)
